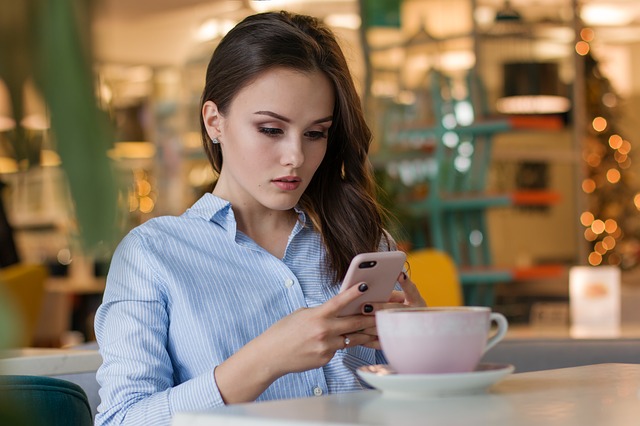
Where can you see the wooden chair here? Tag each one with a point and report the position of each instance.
(22, 285)
(435, 275)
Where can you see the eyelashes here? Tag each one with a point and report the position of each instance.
(270, 131)
(316, 135)
(273, 132)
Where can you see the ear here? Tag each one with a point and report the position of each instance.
(212, 119)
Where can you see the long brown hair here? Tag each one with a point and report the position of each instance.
(340, 199)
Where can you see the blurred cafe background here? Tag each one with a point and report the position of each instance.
(505, 139)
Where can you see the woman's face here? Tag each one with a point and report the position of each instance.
(273, 138)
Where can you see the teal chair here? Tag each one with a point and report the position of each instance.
(42, 401)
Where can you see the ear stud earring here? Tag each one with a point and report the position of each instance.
(215, 141)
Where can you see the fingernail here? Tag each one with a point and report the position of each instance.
(363, 287)
(367, 309)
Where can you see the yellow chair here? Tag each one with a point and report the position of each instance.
(23, 287)
(435, 275)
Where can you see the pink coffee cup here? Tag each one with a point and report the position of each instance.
(437, 340)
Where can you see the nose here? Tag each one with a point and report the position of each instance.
(293, 155)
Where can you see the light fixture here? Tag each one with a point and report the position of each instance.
(457, 60)
(8, 165)
(132, 141)
(507, 22)
(36, 121)
(49, 158)
(349, 21)
(6, 123)
(530, 53)
(606, 15)
(132, 151)
(213, 28)
(532, 88)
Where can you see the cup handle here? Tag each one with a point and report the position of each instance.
(503, 325)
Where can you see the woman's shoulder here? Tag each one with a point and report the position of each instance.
(191, 220)
(160, 225)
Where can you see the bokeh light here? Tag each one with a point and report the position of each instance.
(597, 226)
(594, 159)
(613, 175)
(595, 259)
(609, 242)
(588, 186)
(589, 235)
(610, 226)
(625, 148)
(586, 218)
(599, 124)
(587, 34)
(615, 141)
(582, 48)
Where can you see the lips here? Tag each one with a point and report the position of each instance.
(287, 183)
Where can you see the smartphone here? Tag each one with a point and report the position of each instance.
(379, 270)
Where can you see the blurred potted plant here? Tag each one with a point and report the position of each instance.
(47, 42)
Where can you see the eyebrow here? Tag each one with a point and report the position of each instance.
(286, 120)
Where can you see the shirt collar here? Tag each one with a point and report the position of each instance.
(217, 210)
(209, 207)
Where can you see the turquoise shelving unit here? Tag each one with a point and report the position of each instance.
(454, 208)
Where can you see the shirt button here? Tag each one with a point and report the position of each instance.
(317, 391)
(288, 282)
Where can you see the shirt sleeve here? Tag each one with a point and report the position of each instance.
(137, 378)
(380, 358)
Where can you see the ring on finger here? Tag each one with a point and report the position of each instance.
(347, 341)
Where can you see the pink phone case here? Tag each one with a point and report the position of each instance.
(379, 270)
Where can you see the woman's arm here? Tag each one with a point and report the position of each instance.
(137, 377)
(306, 339)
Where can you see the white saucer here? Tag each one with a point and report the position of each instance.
(392, 384)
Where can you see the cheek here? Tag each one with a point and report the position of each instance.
(239, 148)
(316, 154)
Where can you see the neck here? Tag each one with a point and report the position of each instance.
(270, 231)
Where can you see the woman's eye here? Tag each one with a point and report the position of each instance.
(271, 131)
(316, 135)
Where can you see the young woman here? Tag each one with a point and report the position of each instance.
(237, 299)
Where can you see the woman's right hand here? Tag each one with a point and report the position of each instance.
(309, 337)
(306, 339)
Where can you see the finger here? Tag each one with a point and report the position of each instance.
(353, 324)
(396, 297)
(371, 331)
(346, 341)
(334, 305)
(374, 344)
(370, 309)
(357, 339)
(411, 293)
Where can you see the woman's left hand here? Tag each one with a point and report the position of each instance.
(409, 297)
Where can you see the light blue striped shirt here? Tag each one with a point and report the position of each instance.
(185, 293)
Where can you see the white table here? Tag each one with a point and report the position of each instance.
(49, 361)
(602, 394)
